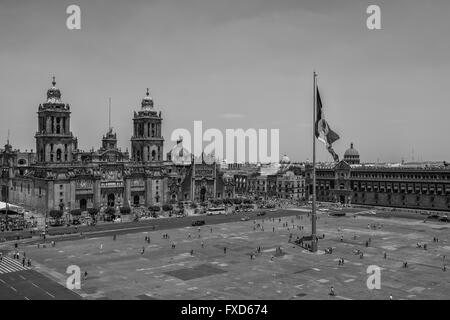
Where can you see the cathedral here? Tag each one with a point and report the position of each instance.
(60, 176)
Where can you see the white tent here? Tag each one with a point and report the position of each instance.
(10, 206)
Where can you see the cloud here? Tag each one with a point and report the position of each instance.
(232, 116)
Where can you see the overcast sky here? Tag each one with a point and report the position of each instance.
(235, 64)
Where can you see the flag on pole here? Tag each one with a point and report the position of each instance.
(323, 130)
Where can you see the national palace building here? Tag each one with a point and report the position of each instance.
(414, 186)
(60, 176)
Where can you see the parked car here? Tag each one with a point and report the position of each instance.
(245, 218)
(198, 223)
(261, 213)
(444, 219)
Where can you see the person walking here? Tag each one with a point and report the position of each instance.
(332, 293)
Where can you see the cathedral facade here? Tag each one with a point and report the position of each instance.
(60, 176)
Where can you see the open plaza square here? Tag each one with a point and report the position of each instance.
(254, 259)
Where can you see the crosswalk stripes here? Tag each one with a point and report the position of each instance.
(8, 265)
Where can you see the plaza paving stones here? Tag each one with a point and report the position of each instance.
(119, 271)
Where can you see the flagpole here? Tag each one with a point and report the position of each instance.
(313, 213)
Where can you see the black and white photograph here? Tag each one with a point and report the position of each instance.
(223, 155)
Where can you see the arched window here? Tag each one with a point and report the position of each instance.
(58, 125)
(58, 155)
(153, 155)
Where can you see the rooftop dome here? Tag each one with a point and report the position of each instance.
(351, 156)
(53, 94)
(147, 101)
(351, 151)
(285, 160)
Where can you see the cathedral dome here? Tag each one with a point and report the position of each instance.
(53, 94)
(147, 101)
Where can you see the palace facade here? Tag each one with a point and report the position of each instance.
(414, 186)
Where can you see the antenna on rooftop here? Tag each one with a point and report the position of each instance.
(109, 114)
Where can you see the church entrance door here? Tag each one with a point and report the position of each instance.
(111, 200)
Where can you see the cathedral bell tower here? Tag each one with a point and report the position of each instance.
(147, 142)
(54, 140)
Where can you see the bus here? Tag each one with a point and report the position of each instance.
(217, 210)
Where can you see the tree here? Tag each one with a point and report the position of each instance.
(154, 209)
(167, 207)
(75, 212)
(237, 201)
(110, 211)
(193, 205)
(55, 214)
(93, 211)
(125, 210)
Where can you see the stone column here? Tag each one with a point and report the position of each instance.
(67, 125)
(51, 195)
(148, 192)
(47, 125)
(71, 198)
(127, 192)
(97, 193)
